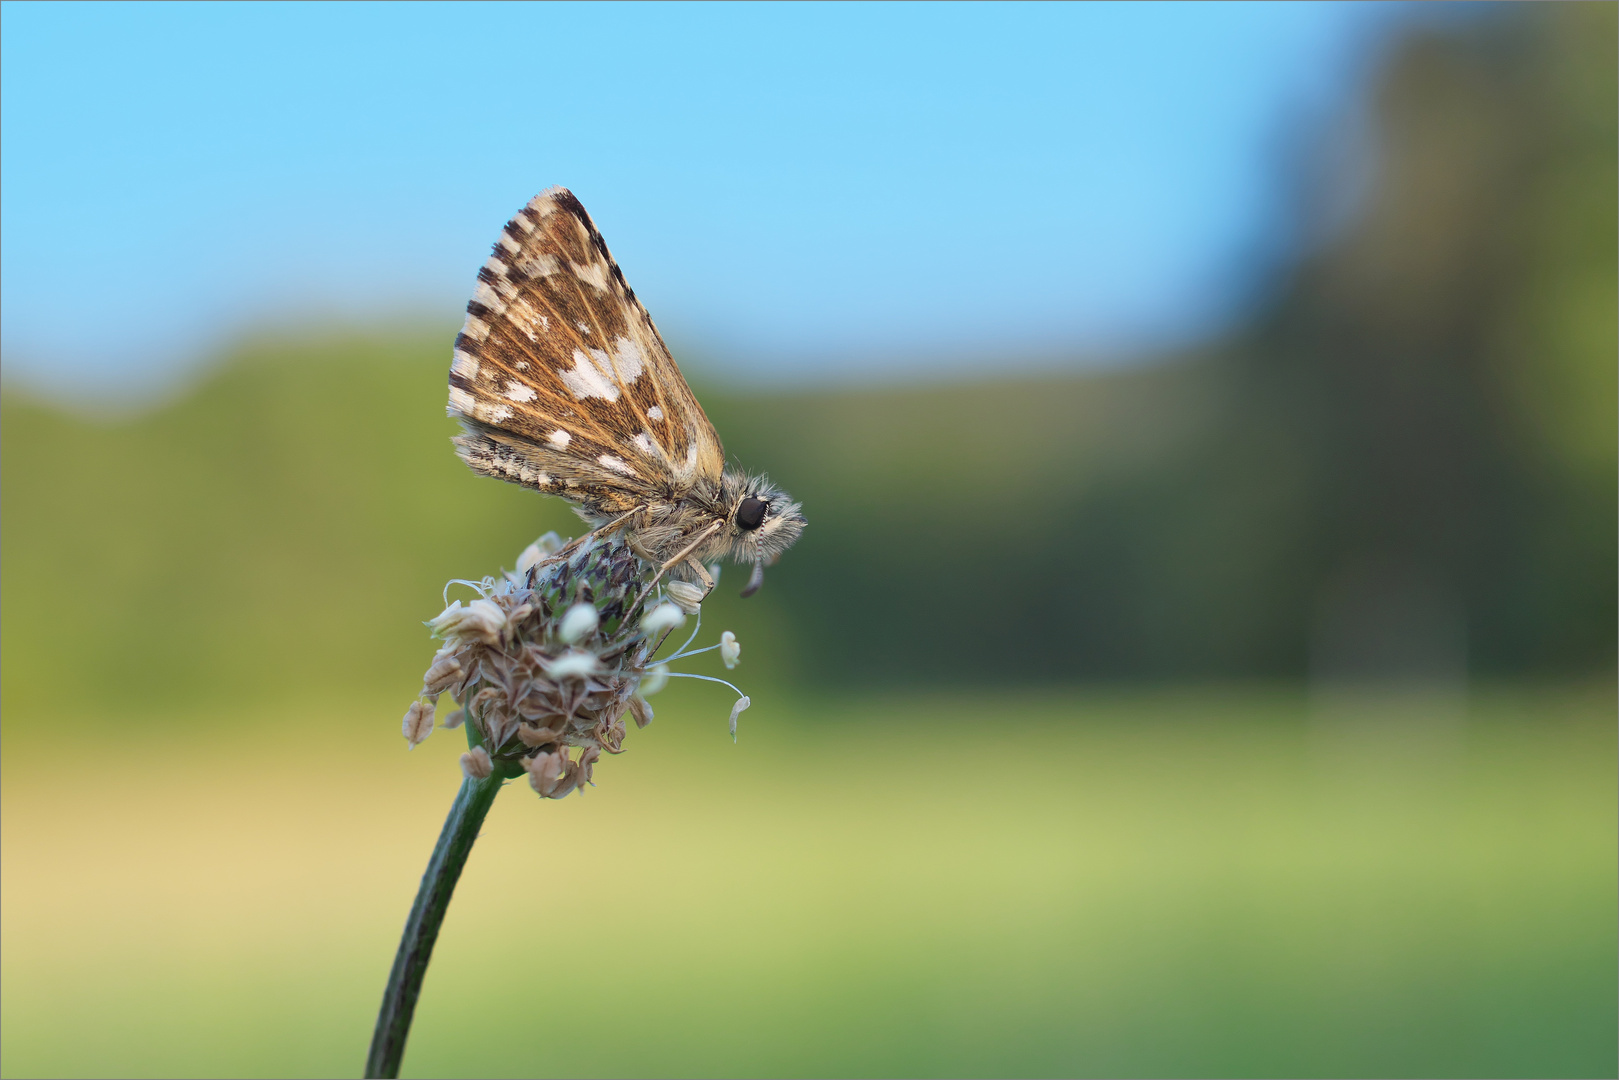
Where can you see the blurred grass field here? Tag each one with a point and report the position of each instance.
(1189, 882)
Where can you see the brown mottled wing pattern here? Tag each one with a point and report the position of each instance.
(560, 379)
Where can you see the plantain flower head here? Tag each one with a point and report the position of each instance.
(549, 661)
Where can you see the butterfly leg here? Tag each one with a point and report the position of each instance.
(599, 532)
(674, 562)
(702, 573)
(611, 526)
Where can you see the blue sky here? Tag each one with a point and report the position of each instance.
(800, 193)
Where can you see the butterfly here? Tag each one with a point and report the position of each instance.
(563, 384)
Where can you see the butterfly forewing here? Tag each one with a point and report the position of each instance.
(560, 377)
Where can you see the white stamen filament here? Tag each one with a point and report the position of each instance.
(705, 678)
(694, 652)
(482, 588)
(694, 630)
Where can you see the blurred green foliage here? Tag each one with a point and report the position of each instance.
(1429, 396)
(285, 527)
(1431, 390)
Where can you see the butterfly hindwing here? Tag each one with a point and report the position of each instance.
(561, 379)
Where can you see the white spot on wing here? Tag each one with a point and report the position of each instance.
(629, 358)
(464, 364)
(475, 328)
(486, 296)
(600, 373)
(593, 274)
(508, 243)
(541, 265)
(654, 413)
(524, 223)
(525, 318)
(494, 264)
(642, 443)
(460, 401)
(492, 414)
(559, 439)
(618, 465)
(516, 391)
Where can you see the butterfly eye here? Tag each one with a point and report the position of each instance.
(750, 513)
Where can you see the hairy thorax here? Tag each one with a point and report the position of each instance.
(743, 518)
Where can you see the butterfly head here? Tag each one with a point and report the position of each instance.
(761, 520)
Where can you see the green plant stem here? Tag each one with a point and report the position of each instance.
(455, 842)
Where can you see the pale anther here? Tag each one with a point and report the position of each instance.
(687, 597)
(656, 679)
(661, 618)
(579, 622)
(572, 665)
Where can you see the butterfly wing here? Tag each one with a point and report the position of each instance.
(561, 380)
